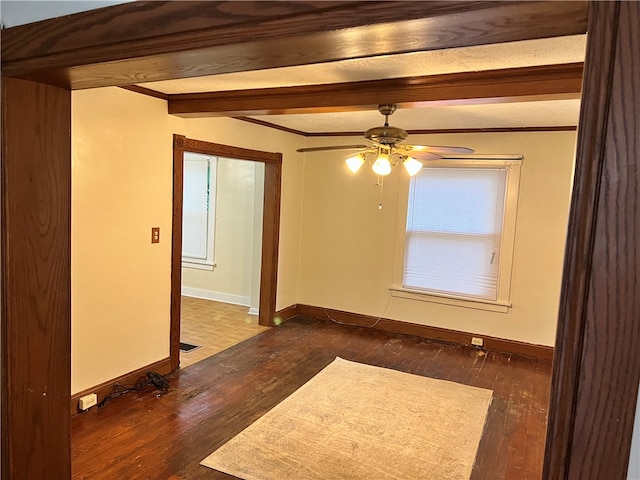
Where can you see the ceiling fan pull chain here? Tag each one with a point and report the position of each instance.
(380, 184)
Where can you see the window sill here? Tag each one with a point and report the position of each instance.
(491, 306)
(199, 266)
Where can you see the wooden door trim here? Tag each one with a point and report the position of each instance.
(270, 228)
(102, 57)
(597, 361)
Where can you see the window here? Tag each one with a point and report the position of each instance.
(198, 210)
(460, 226)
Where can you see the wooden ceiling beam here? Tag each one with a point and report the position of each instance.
(545, 82)
(190, 39)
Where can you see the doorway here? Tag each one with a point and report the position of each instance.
(269, 173)
(221, 252)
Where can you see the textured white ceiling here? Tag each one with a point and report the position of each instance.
(549, 51)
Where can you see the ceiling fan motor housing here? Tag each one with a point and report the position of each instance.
(386, 135)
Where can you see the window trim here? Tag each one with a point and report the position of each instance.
(513, 164)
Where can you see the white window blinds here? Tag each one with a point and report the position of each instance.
(454, 231)
(198, 212)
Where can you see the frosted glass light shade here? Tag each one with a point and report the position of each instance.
(412, 165)
(354, 163)
(382, 166)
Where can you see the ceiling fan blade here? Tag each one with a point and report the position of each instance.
(438, 149)
(424, 155)
(333, 147)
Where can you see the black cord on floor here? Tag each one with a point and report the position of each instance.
(152, 378)
(374, 324)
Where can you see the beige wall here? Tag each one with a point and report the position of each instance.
(235, 238)
(121, 187)
(121, 184)
(347, 255)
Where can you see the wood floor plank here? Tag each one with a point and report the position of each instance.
(213, 327)
(537, 415)
(142, 435)
(491, 459)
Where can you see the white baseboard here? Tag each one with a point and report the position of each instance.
(216, 296)
(254, 311)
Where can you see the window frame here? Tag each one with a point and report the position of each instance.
(209, 262)
(513, 165)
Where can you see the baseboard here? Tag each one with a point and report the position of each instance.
(287, 313)
(494, 344)
(216, 296)
(254, 311)
(162, 367)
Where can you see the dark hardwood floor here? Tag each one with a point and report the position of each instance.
(145, 436)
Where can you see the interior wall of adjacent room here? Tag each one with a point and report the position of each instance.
(122, 167)
(237, 234)
(347, 255)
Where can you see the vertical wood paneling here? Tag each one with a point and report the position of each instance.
(597, 366)
(36, 280)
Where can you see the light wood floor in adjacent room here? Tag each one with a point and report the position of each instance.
(144, 435)
(214, 327)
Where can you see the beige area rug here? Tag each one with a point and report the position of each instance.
(355, 421)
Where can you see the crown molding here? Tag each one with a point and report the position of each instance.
(145, 91)
(555, 128)
(272, 125)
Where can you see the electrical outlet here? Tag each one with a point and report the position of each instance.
(477, 341)
(88, 401)
(155, 235)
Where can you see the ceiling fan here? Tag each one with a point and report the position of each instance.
(387, 149)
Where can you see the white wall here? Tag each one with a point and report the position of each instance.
(348, 245)
(121, 187)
